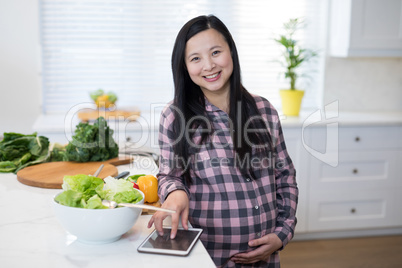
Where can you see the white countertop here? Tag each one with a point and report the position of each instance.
(321, 117)
(31, 236)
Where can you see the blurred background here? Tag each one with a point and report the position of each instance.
(54, 53)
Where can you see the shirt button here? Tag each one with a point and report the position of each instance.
(256, 207)
(248, 179)
(258, 234)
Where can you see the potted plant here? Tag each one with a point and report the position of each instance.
(293, 57)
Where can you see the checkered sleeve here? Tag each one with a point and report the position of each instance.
(287, 190)
(169, 176)
(285, 175)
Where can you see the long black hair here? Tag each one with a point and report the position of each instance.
(190, 102)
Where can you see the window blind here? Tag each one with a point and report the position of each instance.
(125, 46)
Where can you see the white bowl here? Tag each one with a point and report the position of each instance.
(97, 226)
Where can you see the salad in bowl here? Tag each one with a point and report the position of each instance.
(80, 211)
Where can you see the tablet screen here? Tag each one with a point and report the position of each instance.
(180, 245)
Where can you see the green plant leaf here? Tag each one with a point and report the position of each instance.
(293, 55)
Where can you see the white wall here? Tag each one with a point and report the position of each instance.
(364, 84)
(359, 84)
(20, 87)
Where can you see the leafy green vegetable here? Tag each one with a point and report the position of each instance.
(112, 97)
(85, 191)
(58, 153)
(134, 178)
(85, 184)
(7, 166)
(97, 93)
(18, 151)
(92, 142)
(127, 197)
(70, 198)
(121, 191)
(81, 191)
(95, 202)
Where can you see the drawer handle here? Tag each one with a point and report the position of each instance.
(355, 171)
(353, 210)
(128, 139)
(357, 139)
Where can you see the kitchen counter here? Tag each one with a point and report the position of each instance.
(31, 236)
(320, 117)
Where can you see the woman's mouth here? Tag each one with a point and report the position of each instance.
(212, 77)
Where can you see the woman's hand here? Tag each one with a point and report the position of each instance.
(266, 245)
(178, 201)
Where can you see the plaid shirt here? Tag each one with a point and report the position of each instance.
(230, 207)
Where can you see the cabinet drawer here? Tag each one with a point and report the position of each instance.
(352, 210)
(369, 169)
(358, 138)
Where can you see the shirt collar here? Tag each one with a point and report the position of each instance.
(209, 107)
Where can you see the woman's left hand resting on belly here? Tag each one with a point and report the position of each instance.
(265, 246)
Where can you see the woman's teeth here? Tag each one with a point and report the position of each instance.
(212, 76)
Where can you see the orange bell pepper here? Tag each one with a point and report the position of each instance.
(148, 184)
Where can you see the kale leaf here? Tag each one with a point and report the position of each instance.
(92, 142)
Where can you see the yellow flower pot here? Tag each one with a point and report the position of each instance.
(291, 101)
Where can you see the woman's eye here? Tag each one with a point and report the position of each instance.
(216, 52)
(195, 59)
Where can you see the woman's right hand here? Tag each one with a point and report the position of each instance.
(178, 201)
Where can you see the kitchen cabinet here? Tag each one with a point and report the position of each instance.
(366, 28)
(360, 190)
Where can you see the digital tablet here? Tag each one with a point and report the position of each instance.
(181, 245)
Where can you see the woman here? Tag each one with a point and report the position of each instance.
(224, 165)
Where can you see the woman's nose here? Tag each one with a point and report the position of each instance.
(209, 64)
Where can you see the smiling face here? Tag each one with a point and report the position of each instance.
(209, 62)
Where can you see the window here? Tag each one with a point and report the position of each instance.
(125, 46)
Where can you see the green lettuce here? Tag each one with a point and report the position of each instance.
(95, 202)
(71, 198)
(85, 184)
(121, 191)
(86, 191)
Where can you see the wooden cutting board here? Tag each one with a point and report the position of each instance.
(89, 115)
(50, 175)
